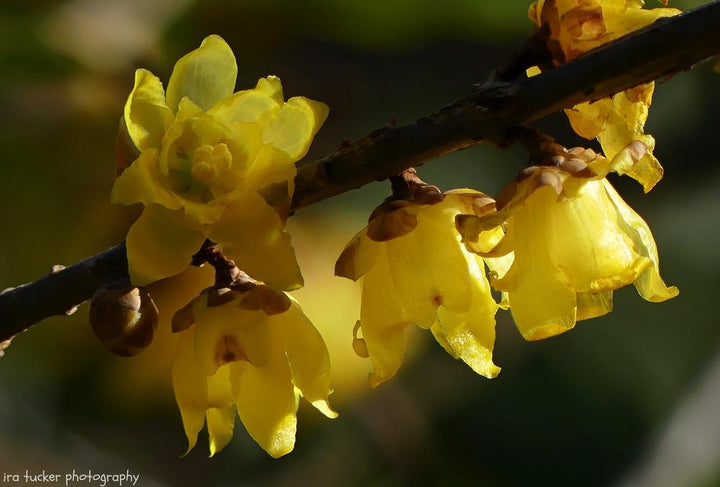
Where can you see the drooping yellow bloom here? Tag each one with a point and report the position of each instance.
(253, 352)
(417, 272)
(206, 158)
(574, 241)
(577, 26)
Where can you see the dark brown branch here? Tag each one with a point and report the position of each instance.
(661, 49)
(488, 115)
(58, 292)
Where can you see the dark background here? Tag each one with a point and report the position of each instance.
(632, 398)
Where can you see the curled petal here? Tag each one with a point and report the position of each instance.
(649, 284)
(190, 386)
(146, 114)
(205, 75)
(160, 245)
(295, 125)
(308, 358)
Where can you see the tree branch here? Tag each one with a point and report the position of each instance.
(488, 116)
(664, 48)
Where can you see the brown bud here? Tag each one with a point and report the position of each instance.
(124, 318)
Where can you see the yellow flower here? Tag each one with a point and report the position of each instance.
(417, 272)
(574, 241)
(579, 26)
(253, 352)
(206, 158)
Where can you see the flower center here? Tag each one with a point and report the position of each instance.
(210, 162)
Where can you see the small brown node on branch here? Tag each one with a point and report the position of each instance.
(226, 272)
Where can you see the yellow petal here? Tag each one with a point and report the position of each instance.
(540, 296)
(308, 357)
(190, 386)
(227, 334)
(585, 241)
(146, 114)
(219, 388)
(295, 125)
(471, 334)
(220, 414)
(198, 215)
(272, 87)
(245, 106)
(428, 266)
(622, 18)
(270, 165)
(142, 182)
(266, 404)
(649, 284)
(383, 321)
(205, 75)
(588, 119)
(244, 143)
(220, 424)
(646, 169)
(251, 233)
(542, 303)
(160, 245)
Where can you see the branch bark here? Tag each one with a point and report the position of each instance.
(488, 115)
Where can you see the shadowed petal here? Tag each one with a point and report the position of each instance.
(160, 245)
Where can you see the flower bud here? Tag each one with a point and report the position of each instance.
(123, 317)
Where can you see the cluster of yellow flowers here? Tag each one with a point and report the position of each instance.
(207, 164)
(205, 159)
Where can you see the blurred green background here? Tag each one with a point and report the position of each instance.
(630, 399)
